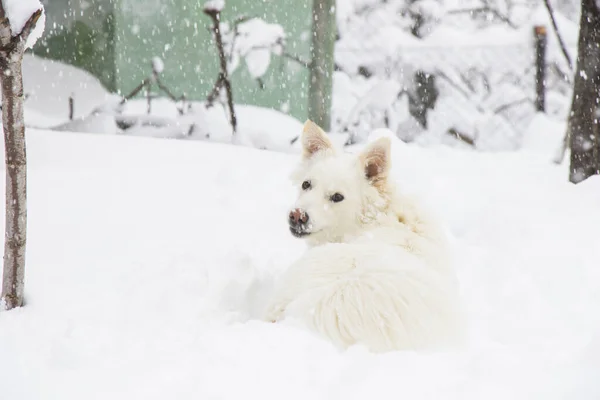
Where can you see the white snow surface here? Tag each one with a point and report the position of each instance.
(48, 85)
(217, 5)
(544, 136)
(158, 65)
(148, 260)
(19, 12)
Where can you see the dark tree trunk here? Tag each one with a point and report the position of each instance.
(11, 57)
(583, 119)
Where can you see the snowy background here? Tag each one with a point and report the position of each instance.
(469, 63)
(148, 260)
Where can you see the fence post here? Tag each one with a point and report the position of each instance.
(541, 40)
(71, 107)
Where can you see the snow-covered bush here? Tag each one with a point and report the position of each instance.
(252, 41)
(464, 71)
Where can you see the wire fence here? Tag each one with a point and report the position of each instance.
(482, 95)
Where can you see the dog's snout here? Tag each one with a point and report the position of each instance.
(298, 216)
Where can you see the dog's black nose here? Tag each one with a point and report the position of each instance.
(298, 216)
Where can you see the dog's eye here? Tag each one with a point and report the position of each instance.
(336, 197)
(306, 185)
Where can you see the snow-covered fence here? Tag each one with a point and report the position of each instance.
(484, 93)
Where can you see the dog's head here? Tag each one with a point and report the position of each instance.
(339, 193)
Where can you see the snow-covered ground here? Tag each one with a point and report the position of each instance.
(148, 261)
(49, 84)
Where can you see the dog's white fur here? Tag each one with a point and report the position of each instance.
(378, 270)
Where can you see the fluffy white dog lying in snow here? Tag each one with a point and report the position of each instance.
(377, 271)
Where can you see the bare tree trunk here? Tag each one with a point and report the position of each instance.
(583, 119)
(11, 57)
(321, 66)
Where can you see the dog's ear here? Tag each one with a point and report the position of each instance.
(314, 140)
(376, 160)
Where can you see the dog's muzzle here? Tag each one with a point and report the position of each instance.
(299, 223)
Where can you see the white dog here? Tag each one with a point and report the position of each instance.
(377, 271)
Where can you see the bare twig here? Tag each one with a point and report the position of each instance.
(485, 10)
(171, 96)
(563, 75)
(236, 24)
(148, 99)
(467, 81)
(461, 136)
(565, 142)
(210, 99)
(167, 91)
(284, 54)
(456, 86)
(135, 91)
(515, 103)
(563, 47)
(304, 63)
(215, 16)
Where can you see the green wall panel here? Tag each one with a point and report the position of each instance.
(82, 33)
(116, 40)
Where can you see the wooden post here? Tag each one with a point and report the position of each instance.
(71, 107)
(148, 98)
(541, 40)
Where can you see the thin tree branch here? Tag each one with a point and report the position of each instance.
(8, 41)
(215, 17)
(304, 63)
(461, 136)
(506, 106)
(284, 54)
(135, 91)
(30, 25)
(484, 10)
(565, 142)
(167, 91)
(563, 47)
(210, 99)
(236, 23)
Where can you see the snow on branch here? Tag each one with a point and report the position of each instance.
(253, 40)
(214, 5)
(26, 19)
